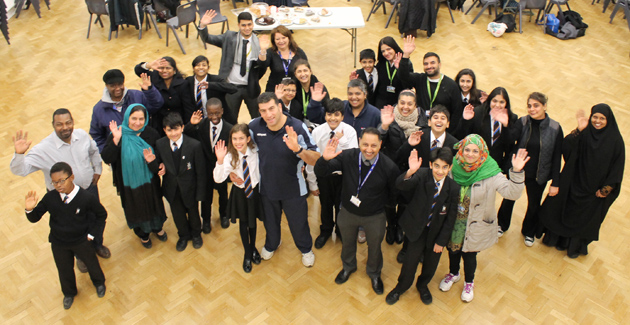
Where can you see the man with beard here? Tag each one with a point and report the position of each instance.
(432, 87)
(68, 145)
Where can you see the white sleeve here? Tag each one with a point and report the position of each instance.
(311, 178)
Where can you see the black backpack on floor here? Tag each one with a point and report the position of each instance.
(508, 20)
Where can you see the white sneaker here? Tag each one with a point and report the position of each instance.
(308, 259)
(447, 282)
(267, 255)
(500, 232)
(467, 293)
(529, 241)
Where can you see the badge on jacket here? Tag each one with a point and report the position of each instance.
(188, 166)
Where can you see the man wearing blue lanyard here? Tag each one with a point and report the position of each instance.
(432, 86)
(368, 181)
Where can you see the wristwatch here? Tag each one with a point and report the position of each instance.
(299, 151)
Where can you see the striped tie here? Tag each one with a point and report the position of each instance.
(175, 147)
(200, 102)
(496, 131)
(434, 144)
(65, 199)
(435, 195)
(371, 82)
(214, 134)
(248, 182)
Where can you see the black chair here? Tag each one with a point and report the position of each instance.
(205, 5)
(486, 4)
(621, 4)
(377, 4)
(98, 8)
(234, 2)
(186, 14)
(20, 3)
(301, 3)
(529, 4)
(448, 5)
(150, 13)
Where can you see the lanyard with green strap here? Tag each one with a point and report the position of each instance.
(432, 98)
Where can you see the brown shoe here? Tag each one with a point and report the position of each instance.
(103, 252)
(81, 266)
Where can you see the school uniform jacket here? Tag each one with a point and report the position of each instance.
(203, 134)
(416, 216)
(423, 148)
(371, 95)
(217, 87)
(190, 178)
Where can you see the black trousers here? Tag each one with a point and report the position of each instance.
(296, 210)
(374, 227)
(330, 199)
(206, 206)
(470, 263)
(234, 102)
(415, 250)
(64, 259)
(531, 222)
(98, 237)
(186, 219)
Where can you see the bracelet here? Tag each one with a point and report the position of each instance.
(299, 151)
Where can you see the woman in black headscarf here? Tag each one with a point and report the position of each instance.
(594, 156)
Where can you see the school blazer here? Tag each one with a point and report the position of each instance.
(416, 216)
(217, 87)
(371, 95)
(424, 149)
(191, 175)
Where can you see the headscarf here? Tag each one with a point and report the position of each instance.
(407, 123)
(597, 149)
(135, 171)
(466, 174)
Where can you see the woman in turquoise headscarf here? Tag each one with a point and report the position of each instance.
(129, 150)
(476, 225)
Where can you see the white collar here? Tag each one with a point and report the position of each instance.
(70, 195)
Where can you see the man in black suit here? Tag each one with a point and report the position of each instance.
(209, 131)
(239, 62)
(368, 74)
(75, 218)
(428, 220)
(184, 179)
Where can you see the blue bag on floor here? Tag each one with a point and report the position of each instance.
(553, 24)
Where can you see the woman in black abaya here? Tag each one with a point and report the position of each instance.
(594, 155)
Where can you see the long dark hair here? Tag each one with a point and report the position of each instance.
(242, 127)
(475, 94)
(389, 41)
(495, 92)
(173, 64)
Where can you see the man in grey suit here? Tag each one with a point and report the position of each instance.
(239, 62)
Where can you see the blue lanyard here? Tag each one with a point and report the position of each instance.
(360, 184)
(286, 66)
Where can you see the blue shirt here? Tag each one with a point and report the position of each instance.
(280, 169)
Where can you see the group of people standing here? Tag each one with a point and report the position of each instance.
(412, 158)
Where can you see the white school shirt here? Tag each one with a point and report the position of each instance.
(222, 171)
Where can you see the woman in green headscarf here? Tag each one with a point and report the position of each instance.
(129, 150)
(476, 225)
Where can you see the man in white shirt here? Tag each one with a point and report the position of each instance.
(65, 144)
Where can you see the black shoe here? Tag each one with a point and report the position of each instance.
(321, 240)
(425, 295)
(389, 236)
(67, 302)
(197, 242)
(225, 222)
(206, 227)
(377, 285)
(343, 276)
(400, 258)
(573, 254)
(81, 266)
(100, 291)
(247, 265)
(103, 252)
(146, 244)
(181, 245)
(163, 237)
(392, 297)
(398, 235)
(256, 257)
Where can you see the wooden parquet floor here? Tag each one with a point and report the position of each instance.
(51, 64)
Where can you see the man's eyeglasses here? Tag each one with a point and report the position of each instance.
(59, 182)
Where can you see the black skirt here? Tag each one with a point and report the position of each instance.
(239, 206)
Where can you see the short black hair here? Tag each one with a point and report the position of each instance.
(287, 81)
(335, 105)
(300, 62)
(440, 109)
(172, 120)
(430, 54)
(444, 154)
(113, 76)
(199, 59)
(266, 97)
(61, 167)
(244, 16)
(367, 54)
(214, 102)
(61, 111)
(371, 130)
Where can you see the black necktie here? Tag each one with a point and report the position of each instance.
(244, 58)
(465, 101)
(332, 134)
(248, 181)
(371, 82)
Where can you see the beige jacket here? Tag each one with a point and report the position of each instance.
(482, 225)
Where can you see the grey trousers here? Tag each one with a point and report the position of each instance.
(374, 227)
